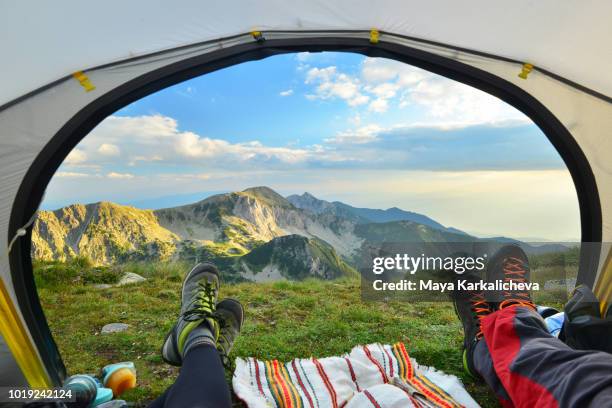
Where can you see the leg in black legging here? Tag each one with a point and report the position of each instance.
(200, 384)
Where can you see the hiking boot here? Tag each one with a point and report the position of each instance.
(582, 303)
(230, 315)
(198, 298)
(471, 307)
(510, 264)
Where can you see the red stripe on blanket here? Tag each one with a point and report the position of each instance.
(353, 376)
(371, 398)
(328, 384)
(376, 363)
(299, 378)
(259, 386)
(390, 361)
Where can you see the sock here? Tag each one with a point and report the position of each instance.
(201, 335)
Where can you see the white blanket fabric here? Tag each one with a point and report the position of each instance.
(376, 375)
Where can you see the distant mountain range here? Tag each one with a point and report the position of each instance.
(310, 203)
(255, 234)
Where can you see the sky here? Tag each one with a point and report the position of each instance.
(370, 132)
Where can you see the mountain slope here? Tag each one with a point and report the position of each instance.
(246, 219)
(406, 231)
(310, 203)
(104, 232)
(230, 224)
(256, 234)
(292, 257)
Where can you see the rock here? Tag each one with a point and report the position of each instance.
(560, 284)
(130, 278)
(114, 328)
(102, 286)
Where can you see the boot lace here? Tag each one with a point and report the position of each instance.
(481, 309)
(225, 340)
(514, 271)
(203, 303)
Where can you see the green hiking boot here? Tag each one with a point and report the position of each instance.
(198, 298)
(230, 315)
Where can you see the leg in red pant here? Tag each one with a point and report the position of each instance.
(537, 369)
(508, 345)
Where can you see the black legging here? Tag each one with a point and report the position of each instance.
(200, 384)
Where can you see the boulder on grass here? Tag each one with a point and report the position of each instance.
(129, 277)
(114, 328)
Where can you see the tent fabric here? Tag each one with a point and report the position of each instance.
(50, 41)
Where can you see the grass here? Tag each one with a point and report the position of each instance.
(284, 320)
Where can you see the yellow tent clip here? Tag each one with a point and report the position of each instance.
(527, 68)
(374, 36)
(84, 81)
(258, 36)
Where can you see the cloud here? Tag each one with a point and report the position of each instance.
(303, 56)
(155, 145)
(185, 176)
(379, 105)
(331, 84)
(71, 174)
(107, 149)
(385, 91)
(441, 99)
(76, 156)
(362, 135)
(288, 92)
(381, 84)
(156, 141)
(121, 176)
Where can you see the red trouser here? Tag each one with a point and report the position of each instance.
(527, 367)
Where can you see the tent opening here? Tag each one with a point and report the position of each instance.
(376, 89)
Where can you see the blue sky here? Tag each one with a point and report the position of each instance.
(368, 131)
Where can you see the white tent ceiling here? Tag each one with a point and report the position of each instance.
(46, 40)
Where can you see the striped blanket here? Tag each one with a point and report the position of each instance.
(376, 375)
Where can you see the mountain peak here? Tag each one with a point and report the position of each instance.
(267, 195)
(308, 202)
(259, 190)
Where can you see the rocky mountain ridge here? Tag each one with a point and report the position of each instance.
(234, 229)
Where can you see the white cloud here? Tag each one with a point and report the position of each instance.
(303, 56)
(122, 176)
(185, 176)
(135, 160)
(156, 145)
(288, 92)
(157, 140)
(386, 90)
(331, 84)
(379, 105)
(76, 156)
(381, 70)
(382, 83)
(362, 135)
(441, 99)
(70, 174)
(107, 149)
